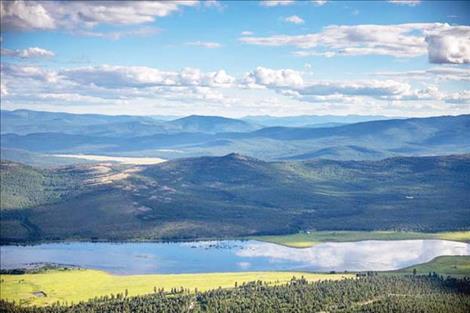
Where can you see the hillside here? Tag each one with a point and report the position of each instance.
(27, 187)
(21, 186)
(237, 195)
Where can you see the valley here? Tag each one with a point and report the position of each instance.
(103, 211)
(322, 202)
(217, 156)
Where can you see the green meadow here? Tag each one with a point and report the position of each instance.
(80, 284)
(75, 285)
(309, 239)
(444, 265)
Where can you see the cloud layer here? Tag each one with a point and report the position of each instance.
(47, 15)
(442, 42)
(36, 75)
(33, 52)
(291, 83)
(105, 83)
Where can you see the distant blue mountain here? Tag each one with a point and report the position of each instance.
(211, 124)
(23, 122)
(212, 135)
(312, 120)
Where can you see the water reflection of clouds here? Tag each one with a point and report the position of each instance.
(358, 256)
(229, 256)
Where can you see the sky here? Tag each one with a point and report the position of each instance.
(237, 58)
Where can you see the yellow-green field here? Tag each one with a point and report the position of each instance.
(80, 285)
(305, 240)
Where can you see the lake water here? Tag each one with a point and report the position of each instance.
(231, 256)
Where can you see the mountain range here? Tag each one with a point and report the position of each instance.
(24, 122)
(63, 133)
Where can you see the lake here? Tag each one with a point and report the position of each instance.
(231, 256)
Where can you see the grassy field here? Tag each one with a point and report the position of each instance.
(305, 240)
(444, 265)
(79, 285)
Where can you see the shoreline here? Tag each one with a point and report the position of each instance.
(309, 239)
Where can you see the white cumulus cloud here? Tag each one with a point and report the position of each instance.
(291, 83)
(410, 3)
(33, 52)
(265, 77)
(442, 42)
(274, 3)
(28, 72)
(44, 15)
(108, 83)
(319, 2)
(205, 44)
(110, 76)
(451, 45)
(294, 19)
(25, 15)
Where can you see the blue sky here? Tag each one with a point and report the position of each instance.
(407, 58)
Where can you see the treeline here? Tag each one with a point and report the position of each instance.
(27, 187)
(377, 294)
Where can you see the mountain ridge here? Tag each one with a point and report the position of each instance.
(236, 195)
(366, 140)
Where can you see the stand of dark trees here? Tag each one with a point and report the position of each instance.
(429, 293)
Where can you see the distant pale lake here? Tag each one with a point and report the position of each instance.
(231, 256)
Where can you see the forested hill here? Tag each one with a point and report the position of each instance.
(234, 195)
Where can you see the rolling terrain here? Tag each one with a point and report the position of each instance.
(231, 196)
(216, 136)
